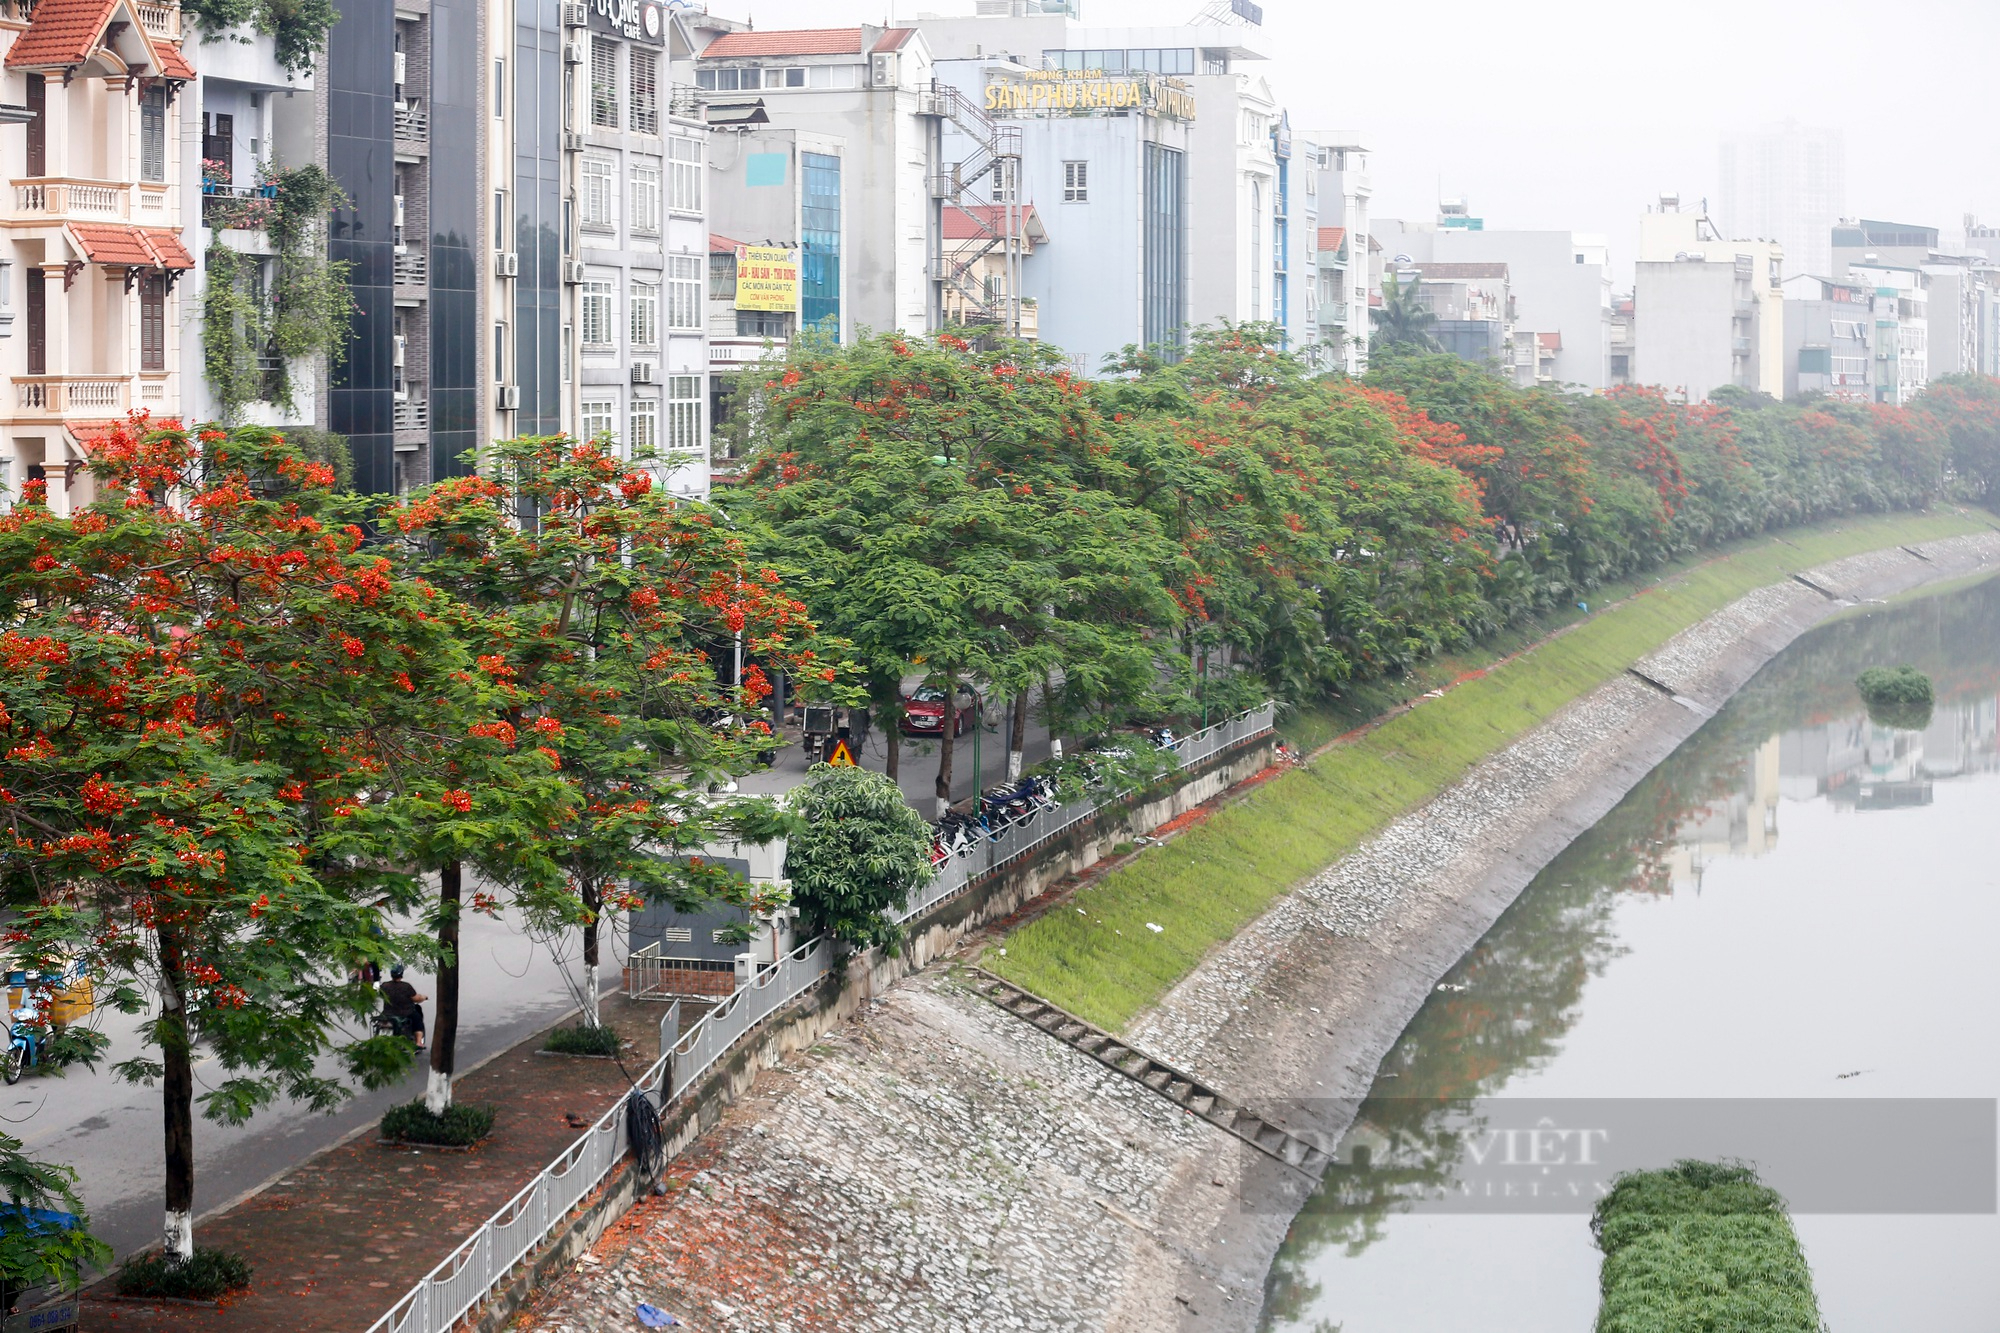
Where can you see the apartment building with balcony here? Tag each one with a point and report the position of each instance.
(252, 118)
(1345, 191)
(93, 257)
(1829, 335)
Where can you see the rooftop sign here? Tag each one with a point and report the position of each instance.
(1077, 92)
(634, 20)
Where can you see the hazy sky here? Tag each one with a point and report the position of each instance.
(1578, 113)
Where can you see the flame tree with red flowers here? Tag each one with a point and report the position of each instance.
(1328, 529)
(601, 603)
(189, 666)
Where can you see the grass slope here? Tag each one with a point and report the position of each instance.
(1105, 964)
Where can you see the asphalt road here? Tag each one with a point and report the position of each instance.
(111, 1131)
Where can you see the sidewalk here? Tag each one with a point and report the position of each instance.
(344, 1234)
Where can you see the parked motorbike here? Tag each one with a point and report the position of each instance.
(386, 1024)
(24, 1049)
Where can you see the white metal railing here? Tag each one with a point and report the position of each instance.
(479, 1264)
(652, 974)
(411, 414)
(412, 268)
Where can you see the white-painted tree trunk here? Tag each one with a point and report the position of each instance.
(591, 1012)
(178, 1235)
(437, 1092)
(1013, 765)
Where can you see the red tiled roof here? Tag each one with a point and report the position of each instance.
(1330, 238)
(1551, 342)
(173, 61)
(167, 247)
(62, 33)
(962, 225)
(803, 42)
(719, 244)
(119, 244)
(796, 42)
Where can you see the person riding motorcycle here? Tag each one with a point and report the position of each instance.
(402, 1007)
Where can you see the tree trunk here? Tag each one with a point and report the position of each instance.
(592, 901)
(1017, 738)
(177, 1101)
(947, 742)
(444, 1027)
(890, 716)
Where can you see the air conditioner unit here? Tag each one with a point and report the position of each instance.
(572, 141)
(573, 272)
(510, 397)
(399, 210)
(572, 53)
(402, 67)
(507, 264)
(642, 372)
(882, 72)
(401, 344)
(575, 14)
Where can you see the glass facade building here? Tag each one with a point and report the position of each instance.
(456, 246)
(360, 156)
(541, 234)
(1165, 246)
(819, 255)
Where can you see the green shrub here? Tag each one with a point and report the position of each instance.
(582, 1040)
(460, 1126)
(1901, 697)
(1124, 849)
(205, 1276)
(1700, 1245)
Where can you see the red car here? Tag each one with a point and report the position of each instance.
(924, 709)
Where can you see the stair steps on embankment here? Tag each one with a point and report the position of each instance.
(1156, 1076)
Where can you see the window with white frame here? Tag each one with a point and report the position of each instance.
(683, 292)
(642, 434)
(568, 334)
(786, 76)
(684, 414)
(645, 91)
(597, 192)
(684, 175)
(604, 83)
(596, 314)
(1076, 182)
(595, 419)
(645, 200)
(645, 312)
(1007, 180)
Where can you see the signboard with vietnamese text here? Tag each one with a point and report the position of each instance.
(767, 278)
(1078, 92)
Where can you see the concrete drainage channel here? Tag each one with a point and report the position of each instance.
(1183, 1090)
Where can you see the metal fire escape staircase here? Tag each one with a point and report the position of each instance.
(996, 152)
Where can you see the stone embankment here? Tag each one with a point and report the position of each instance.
(939, 1164)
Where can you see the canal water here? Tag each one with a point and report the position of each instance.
(1798, 904)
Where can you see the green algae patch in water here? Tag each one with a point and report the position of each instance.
(1700, 1245)
(1900, 697)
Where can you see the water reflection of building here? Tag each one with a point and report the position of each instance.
(1861, 766)
(1850, 761)
(1742, 823)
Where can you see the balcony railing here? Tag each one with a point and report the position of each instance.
(413, 121)
(160, 20)
(412, 269)
(72, 395)
(58, 198)
(412, 414)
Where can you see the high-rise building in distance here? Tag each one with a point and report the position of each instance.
(1785, 183)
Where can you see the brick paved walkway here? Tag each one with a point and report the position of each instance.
(347, 1232)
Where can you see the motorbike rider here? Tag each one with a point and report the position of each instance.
(403, 1006)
